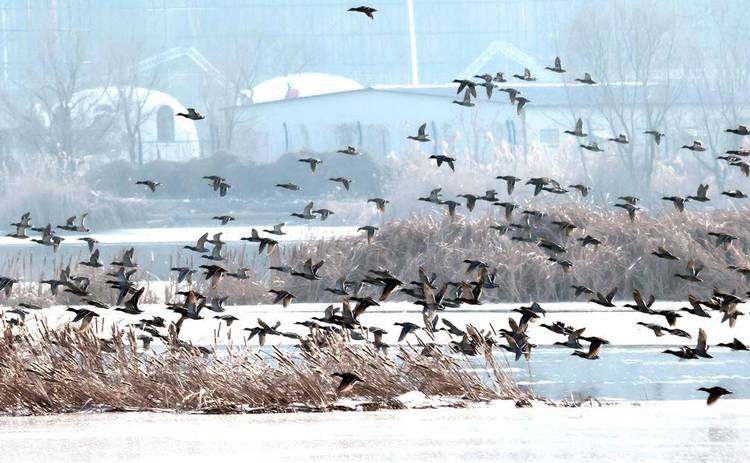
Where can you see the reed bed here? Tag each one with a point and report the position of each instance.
(65, 370)
(440, 245)
(523, 271)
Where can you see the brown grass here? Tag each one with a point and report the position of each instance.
(440, 245)
(524, 273)
(63, 370)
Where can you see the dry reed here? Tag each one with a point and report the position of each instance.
(64, 370)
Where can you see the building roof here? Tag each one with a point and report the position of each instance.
(302, 85)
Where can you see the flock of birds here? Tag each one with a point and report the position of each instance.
(379, 285)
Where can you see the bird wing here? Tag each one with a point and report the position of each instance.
(594, 348)
(202, 240)
(702, 342)
(308, 208)
(611, 294)
(638, 299)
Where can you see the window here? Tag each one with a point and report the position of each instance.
(550, 137)
(165, 124)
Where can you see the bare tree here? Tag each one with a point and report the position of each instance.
(720, 80)
(631, 50)
(132, 89)
(243, 65)
(56, 118)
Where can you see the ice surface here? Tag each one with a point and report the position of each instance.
(663, 432)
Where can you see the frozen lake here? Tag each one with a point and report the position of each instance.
(156, 248)
(655, 432)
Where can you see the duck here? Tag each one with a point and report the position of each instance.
(380, 203)
(406, 329)
(512, 94)
(578, 131)
(677, 201)
(632, 210)
(586, 79)
(309, 270)
(323, 213)
(466, 101)
(433, 197)
(85, 316)
(662, 253)
(592, 146)
(276, 229)
(656, 135)
(349, 151)
(452, 205)
(348, 380)
(736, 344)
(370, 231)
(580, 289)
(488, 85)
(365, 10)
(714, 393)
(701, 194)
(127, 259)
(471, 200)
(200, 245)
(723, 239)
(313, 162)
(692, 272)
(71, 226)
(465, 84)
(342, 180)
(191, 114)
(696, 146)
(684, 353)
(131, 305)
(526, 76)
(557, 67)
(621, 139)
(737, 194)
(93, 261)
(581, 188)
(522, 101)
(150, 184)
(740, 130)
(280, 295)
(743, 166)
(223, 219)
(595, 347)
(288, 186)
(440, 159)
(184, 274)
(509, 208)
(604, 300)
(510, 181)
(421, 136)
(306, 213)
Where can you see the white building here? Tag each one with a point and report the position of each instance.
(163, 135)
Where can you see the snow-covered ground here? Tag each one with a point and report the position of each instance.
(666, 431)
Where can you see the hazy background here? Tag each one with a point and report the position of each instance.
(89, 89)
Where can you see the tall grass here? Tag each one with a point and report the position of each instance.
(523, 271)
(64, 370)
